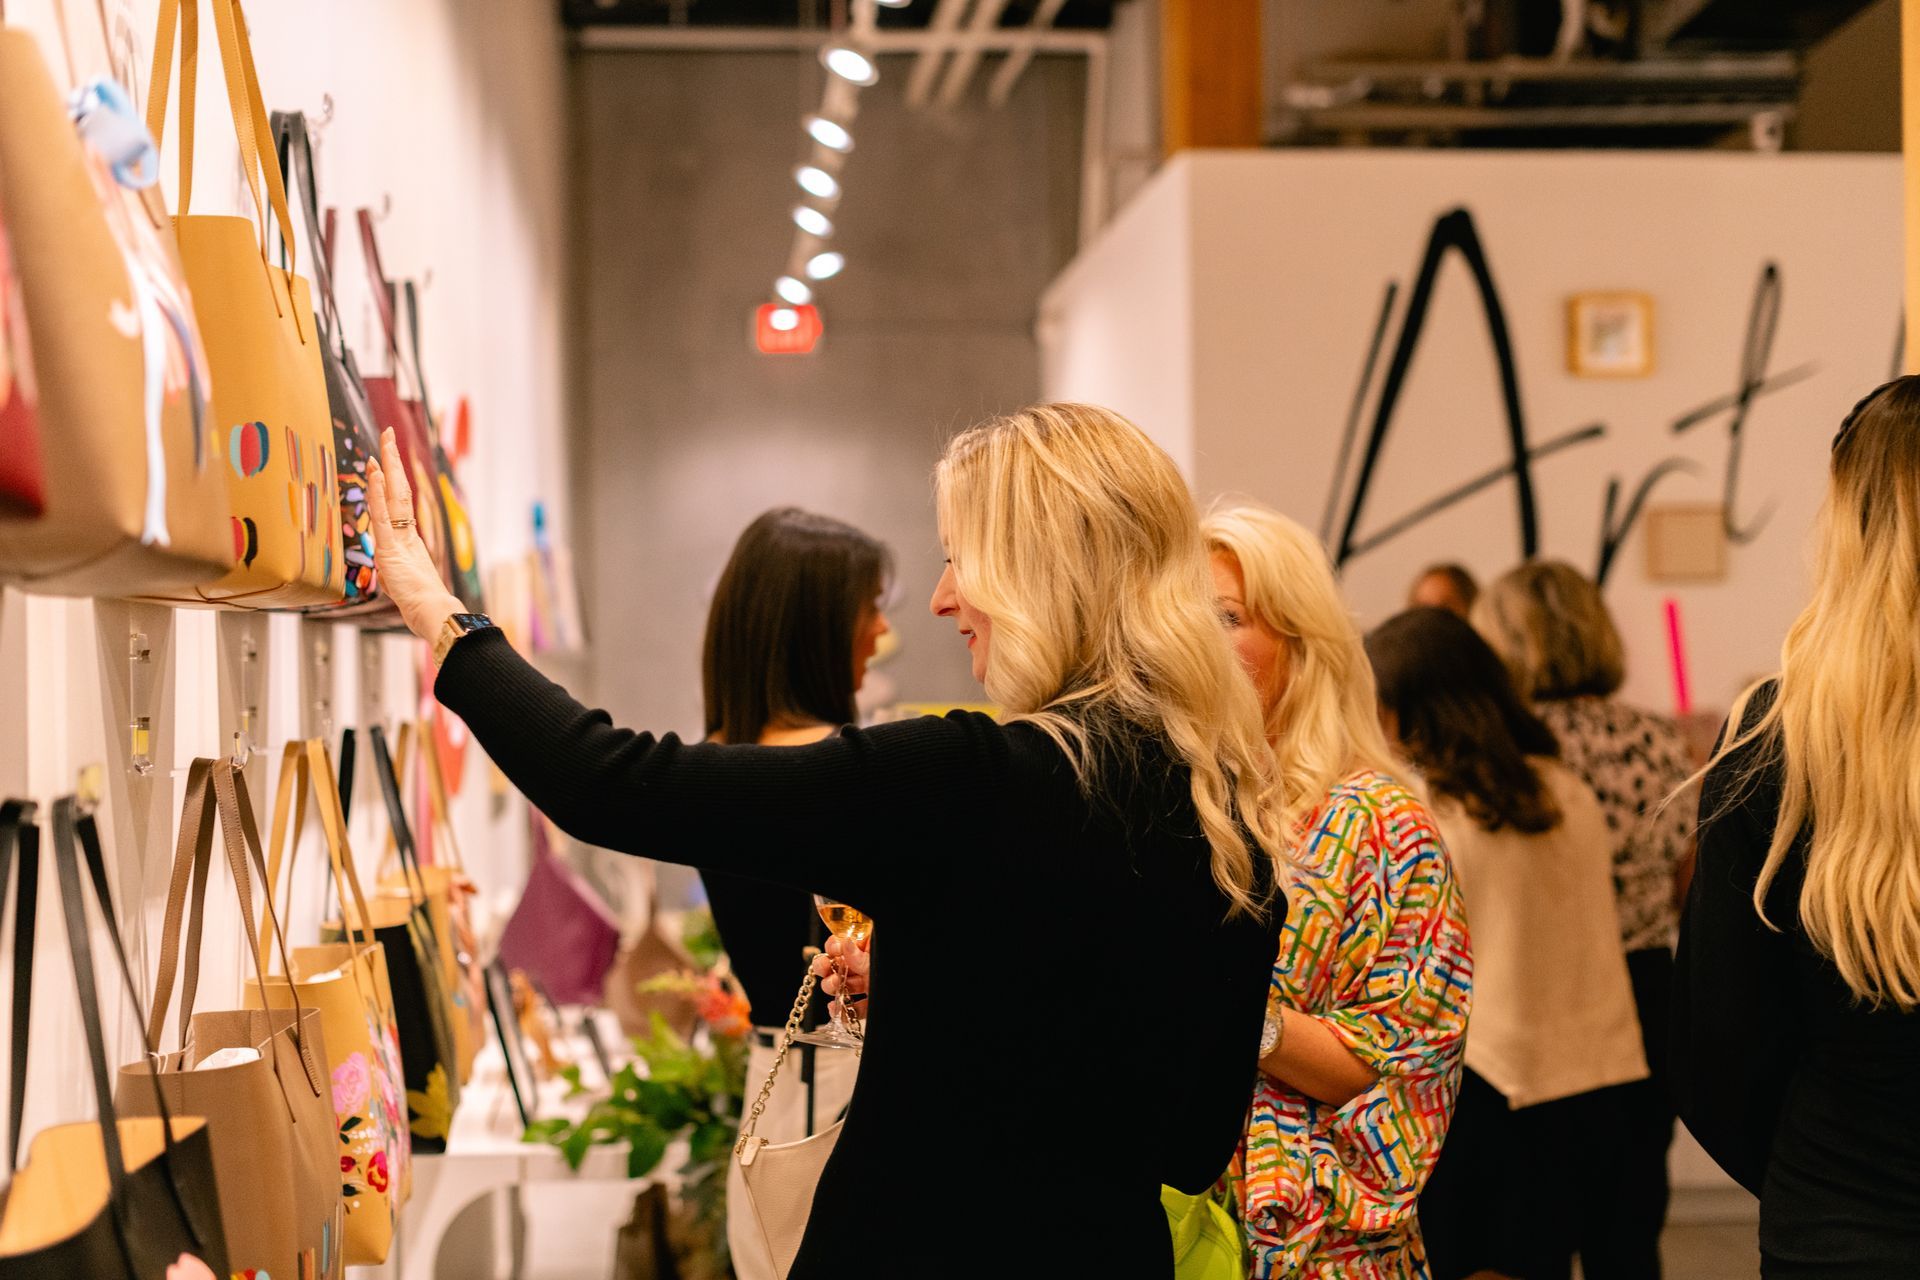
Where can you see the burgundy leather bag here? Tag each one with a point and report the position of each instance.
(562, 935)
(392, 408)
(22, 486)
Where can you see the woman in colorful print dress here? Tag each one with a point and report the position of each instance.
(1369, 995)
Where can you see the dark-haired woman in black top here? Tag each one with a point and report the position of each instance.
(1120, 824)
(795, 619)
(1519, 1189)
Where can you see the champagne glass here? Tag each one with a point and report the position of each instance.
(853, 927)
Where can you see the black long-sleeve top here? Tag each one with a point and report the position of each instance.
(766, 929)
(1802, 1093)
(1124, 1007)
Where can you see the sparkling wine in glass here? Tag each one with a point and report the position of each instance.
(853, 927)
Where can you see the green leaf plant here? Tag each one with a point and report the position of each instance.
(672, 1089)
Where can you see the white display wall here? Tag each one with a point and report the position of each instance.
(447, 117)
(1231, 307)
(1230, 310)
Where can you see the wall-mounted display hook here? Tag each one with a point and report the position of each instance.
(139, 702)
(316, 680)
(249, 701)
(89, 787)
(242, 643)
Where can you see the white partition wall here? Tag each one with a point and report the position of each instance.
(1242, 338)
(446, 117)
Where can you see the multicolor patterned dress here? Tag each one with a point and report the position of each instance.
(1375, 948)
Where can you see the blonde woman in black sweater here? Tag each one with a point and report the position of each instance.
(1119, 825)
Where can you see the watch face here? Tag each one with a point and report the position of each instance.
(471, 621)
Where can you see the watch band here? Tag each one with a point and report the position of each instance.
(456, 626)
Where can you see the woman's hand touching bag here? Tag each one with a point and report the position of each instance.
(408, 576)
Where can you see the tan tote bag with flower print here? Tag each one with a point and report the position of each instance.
(274, 1112)
(347, 983)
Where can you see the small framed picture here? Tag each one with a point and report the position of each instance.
(1686, 542)
(1610, 335)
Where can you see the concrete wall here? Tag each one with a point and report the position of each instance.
(952, 225)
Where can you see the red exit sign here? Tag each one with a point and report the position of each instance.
(783, 330)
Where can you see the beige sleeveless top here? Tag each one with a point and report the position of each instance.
(1553, 1011)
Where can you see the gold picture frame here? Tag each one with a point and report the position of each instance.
(1610, 335)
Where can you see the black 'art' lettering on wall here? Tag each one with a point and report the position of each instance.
(1455, 232)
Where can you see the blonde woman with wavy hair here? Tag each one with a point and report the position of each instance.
(1797, 996)
(1111, 845)
(1370, 987)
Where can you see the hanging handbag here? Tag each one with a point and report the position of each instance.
(562, 934)
(780, 1177)
(269, 385)
(443, 890)
(463, 563)
(447, 872)
(23, 490)
(348, 983)
(406, 416)
(404, 927)
(134, 1198)
(355, 441)
(274, 1112)
(133, 501)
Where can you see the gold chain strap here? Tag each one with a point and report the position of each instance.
(786, 1046)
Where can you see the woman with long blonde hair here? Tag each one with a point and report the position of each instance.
(1797, 994)
(1371, 984)
(1119, 826)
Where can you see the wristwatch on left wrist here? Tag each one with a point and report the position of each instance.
(453, 628)
(1275, 1028)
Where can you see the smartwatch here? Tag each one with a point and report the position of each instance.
(458, 625)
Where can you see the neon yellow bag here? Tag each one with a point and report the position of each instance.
(1206, 1240)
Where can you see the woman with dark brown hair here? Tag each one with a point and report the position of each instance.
(795, 619)
(1550, 625)
(1553, 1033)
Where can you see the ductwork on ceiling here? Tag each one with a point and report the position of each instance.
(1575, 73)
(1073, 15)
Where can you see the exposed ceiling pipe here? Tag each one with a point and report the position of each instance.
(926, 68)
(1009, 73)
(986, 16)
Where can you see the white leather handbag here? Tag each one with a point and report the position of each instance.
(781, 1176)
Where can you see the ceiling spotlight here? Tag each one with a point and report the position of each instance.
(817, 182)
(824, 266)
(812, 221)
(784, 319)
(798, 292)
(850, 64)
(829, 134)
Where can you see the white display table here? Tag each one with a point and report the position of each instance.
(484, 1155)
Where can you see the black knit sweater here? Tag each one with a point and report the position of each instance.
(1124, 1008)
